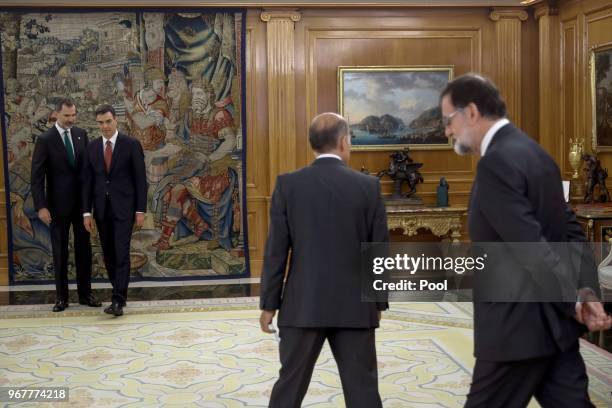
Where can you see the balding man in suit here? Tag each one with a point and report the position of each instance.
(321, 214)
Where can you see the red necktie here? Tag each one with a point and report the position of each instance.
(108, 155)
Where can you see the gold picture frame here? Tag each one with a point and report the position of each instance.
(600, 67)
(392, 107)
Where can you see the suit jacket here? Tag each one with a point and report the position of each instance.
(322, 213)
(56, 184)
(517, 197)
(125, 184)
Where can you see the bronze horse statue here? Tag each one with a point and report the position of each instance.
(596, 176)
(402, 169)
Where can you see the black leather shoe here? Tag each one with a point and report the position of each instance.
(60, 305)
(90, 301)
(114, 309)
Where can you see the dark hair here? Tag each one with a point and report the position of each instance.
(67, 102)
(476, 89)
(324, 137)
(102, 109)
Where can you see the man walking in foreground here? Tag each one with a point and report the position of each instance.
(531, 348)
(321, 214)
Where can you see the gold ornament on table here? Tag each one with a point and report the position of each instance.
(575, 159)
(575, 155)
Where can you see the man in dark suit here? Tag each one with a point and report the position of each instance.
(115, 187)
(530, 348)
(57, 162)
(321, 214)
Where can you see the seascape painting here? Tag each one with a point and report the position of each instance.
(390, 108)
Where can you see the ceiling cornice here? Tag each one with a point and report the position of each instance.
(254, 4)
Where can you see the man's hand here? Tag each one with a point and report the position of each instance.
(266, 319)
(593, 316)
(87, 223)
(44, 215)
(591, 313)
(139, 221)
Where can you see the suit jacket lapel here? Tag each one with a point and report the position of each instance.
(116, 152)
(58, 142)
(500, 134)
(98, 153)
(472, 193)
(76, 146)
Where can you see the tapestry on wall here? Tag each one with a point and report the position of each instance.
(176, 83)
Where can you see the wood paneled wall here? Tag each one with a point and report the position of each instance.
(258, 146)
(415, 37)
(470, 39)
(581, 25)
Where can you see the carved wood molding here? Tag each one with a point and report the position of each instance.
(281, 90)
(548, 31)
(549, 10)
(508, 39)
(501, 14)
(4, 271)
(294, 16)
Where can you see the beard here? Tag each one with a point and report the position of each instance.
(461, 149)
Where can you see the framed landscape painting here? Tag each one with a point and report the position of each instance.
(392, 107)
(601, 92)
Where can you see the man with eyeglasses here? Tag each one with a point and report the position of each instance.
(531, 348)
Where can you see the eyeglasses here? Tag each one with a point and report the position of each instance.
(446, 120)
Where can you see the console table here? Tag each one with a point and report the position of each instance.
(441, 221)
(597, 225)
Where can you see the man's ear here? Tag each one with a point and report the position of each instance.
(342, 144)
(472, 112)
(347, 141)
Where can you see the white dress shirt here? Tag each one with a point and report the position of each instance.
(484, 145)
(324, 155)
(61, 131)
(113, 140)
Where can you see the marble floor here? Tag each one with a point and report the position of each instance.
(210, 353)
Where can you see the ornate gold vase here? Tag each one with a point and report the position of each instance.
(575, 159)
